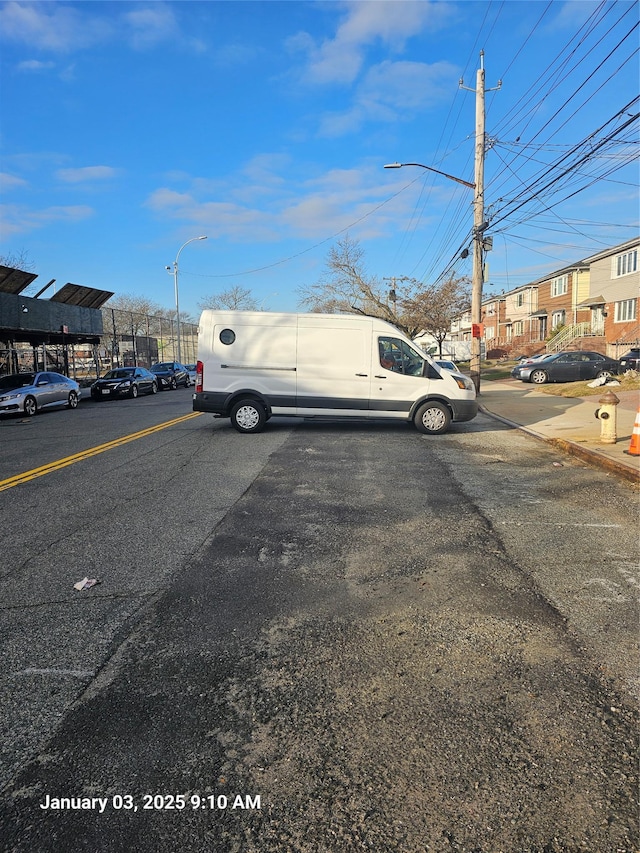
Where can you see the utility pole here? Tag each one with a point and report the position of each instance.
(393, 296)
(479, 224)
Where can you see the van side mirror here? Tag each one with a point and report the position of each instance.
(430, 372)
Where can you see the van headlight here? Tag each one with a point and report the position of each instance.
(464, 383)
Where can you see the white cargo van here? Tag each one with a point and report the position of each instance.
(253, 365)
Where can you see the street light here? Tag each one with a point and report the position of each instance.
(479, 227)
(175, 285)
(431, 169)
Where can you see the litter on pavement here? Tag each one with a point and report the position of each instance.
(85, 583)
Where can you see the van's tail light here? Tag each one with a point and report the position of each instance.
(199, 375)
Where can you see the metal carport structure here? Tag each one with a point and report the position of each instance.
(70, 317)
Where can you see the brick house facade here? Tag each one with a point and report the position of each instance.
(592, 304)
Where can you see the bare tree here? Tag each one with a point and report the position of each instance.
(135, 313)
(433, 308)
(347, 288)
(18, 261)
(235, 298)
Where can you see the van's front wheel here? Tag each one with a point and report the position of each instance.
(432, 418)
(248, 416)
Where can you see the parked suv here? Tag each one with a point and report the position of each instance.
(630, 361)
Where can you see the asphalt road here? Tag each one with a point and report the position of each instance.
(323, 638)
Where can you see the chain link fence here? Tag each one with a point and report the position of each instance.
(129, 339)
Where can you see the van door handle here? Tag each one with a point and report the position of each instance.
(379, 377)
(362, 374)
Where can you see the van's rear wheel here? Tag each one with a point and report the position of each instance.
(432, 418)
(248, 416)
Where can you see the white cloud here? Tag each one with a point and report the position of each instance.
(35, 65)
(64, 28)
(151, 25)
(391, 92)
(11, 182)
(52, 26)
(224, 219)
(86, 173)
(17, 219)
(409, 85)
(264, 204)
(340, 59)
(570, 16)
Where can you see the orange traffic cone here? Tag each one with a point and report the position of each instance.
(634, 447)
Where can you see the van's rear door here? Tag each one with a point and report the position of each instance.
(333, 367)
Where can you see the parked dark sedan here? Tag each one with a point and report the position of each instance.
(630, 361)
(569, 367)
(30, 392)
(124, 382)
(170, 374)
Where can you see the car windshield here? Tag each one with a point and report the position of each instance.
(158, 368)
(120, 373)
(16, 380)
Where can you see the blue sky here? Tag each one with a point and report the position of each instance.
(129, 128)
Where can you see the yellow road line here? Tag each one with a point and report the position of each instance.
(86, 454)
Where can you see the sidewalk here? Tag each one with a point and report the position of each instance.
(569, 423)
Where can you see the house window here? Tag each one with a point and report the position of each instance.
(491, 309)
(557, 319)
(625, 311)
(519, 300)
(489, 332)
(560, 285)
(518, 328)
(626, 263)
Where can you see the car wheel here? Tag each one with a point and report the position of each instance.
(432, 418)
(154, 388)
(30, 407)
(73, 400)
(187, 382)
(248, 416)
(134, 391)
(173, 384)
(603, 374)
(539, 377)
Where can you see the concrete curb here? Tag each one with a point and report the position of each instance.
(570, 447)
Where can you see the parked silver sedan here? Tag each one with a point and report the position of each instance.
(28, 393)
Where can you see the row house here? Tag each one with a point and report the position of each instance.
(592, 304)
(614, 296)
